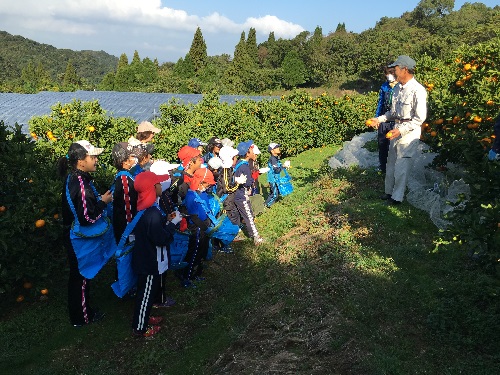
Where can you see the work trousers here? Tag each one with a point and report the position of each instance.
(397, 171)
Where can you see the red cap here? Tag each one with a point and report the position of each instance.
(144, 184)
(187, 153)
(201, 175)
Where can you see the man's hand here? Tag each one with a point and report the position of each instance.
(373, 123)
(394, 133)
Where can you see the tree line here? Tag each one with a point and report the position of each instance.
(338, 59)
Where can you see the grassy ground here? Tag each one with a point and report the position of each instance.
(344, 285)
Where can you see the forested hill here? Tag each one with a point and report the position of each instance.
(16, 52)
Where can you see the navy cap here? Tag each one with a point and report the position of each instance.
(196, 142)
(243, 147)
(272, 146)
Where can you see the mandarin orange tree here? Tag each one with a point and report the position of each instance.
(467, 98)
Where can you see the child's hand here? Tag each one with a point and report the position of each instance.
(286, 164)
(241, 179)
(264, 170)
(175, 217)
(107, 197)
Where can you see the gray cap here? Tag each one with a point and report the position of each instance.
(404, 61)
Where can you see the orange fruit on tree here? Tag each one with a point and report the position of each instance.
(459, 83)
(433, 133)
(56, 216)
(456, 119)
(467, 114)
(20, 298)
(91, 129)
(439, 121)
(27, 285)
(477, 119)
(3, 208)
(467, 66)
(44, 291)
(40, 223)
(490, 102)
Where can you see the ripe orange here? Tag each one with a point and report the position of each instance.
(456, 119)
(473, 125)
(40, 223)
(20, 298)
(459, 83)
(477, 119)
(467, 66)
(91, 129)
(490, 102)
(44, 291)
(3, 208)
(439, 121)
(56, 216)
(388, 135)
(368, 122)
(27, 285)
(433, 133)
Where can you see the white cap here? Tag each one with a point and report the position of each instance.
(91, 150)
(226, 154)
(256, 150)
(161, 167)
(146, 126)
(215, 162)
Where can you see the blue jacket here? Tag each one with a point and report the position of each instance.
(384, 99)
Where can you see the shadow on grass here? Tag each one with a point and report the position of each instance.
(344, 285)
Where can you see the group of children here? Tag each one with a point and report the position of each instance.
(167, 199)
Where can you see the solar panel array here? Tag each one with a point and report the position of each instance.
(140, 106)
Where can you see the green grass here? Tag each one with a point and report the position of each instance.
(344, 285)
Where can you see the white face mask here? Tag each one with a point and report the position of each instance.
(390, 78)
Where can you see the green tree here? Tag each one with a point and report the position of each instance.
(252, 49)
(294, 70)
(198, 51)
(70, 79)
(108, 82)
(123, 78)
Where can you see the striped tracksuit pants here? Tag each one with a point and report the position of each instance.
(147, 289)
(245, 210)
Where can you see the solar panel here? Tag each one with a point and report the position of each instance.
(140, 106)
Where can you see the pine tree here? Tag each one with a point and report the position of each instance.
(198, 51)
(251, 46)
(294, 70)
(70, 77)
(123, 78)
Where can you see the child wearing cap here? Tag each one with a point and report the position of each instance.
(275, 167)
(124, 194)
(191, 161)
(198, 223)
(226, 186)
(196, 143)
(145, 132)
(76, 167)
(243, 176)
(150, 253)
(213, 148)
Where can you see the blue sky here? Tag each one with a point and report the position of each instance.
(164, 29)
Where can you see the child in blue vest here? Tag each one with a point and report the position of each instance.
(198, 223)
(124, 194)
(243, 176)
(275, 167)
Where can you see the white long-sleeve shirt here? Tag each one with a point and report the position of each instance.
(409, 102)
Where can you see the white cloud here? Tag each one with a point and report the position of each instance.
(266, 24)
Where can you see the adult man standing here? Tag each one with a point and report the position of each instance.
(408, 111)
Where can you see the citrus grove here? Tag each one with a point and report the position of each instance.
(463, 101)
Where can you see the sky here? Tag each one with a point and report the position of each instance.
(164, 29)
